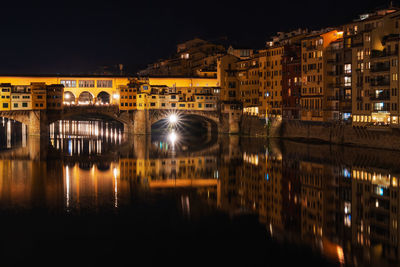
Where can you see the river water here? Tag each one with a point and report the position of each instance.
(90, 195)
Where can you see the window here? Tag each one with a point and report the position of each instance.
(86, 83)
(347, 68)
(68, 83)
(347, 81)
(5, 105)
(15, 105)
(394, 77)
(104, 83)
(24, 105)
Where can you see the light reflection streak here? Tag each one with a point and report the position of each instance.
(115, 188)
(9, 134)
(67, 184)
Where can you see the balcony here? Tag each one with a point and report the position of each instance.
(384, 95)
(380, 82)
(380, 68)
(383, 54)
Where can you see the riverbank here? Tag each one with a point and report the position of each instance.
(323, 132)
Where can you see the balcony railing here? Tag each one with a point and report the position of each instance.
(381, 96)
(381, 54)
(380, 83)
(380, 68)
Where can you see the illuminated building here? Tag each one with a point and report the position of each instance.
(374, 45)
(291, 81)
(5, 96)
(193, 58)
(21, 98)
(248, 77)
(127, 95)
(314, 89)
(280, 77)
(227, 78)
(272, 80)
(39, 93)
(55, 95)
(241, 53)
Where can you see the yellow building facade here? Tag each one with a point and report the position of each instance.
(39, 95)
(5, 97)
(76, 85)
(21, 98)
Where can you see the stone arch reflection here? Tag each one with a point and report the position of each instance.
(103, 166)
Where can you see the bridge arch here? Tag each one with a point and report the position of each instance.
(69, 97)
(185, 117)
(85, 98)
(103, 98)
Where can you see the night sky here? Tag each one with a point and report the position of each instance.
(79, 37)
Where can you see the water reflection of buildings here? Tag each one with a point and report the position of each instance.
(319, 194)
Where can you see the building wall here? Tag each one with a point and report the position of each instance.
(312, 78)
(5, 97)
(291, 79)
(39, 95)
(55, 96)
(248, 76)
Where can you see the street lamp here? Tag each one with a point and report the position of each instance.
(173, 119)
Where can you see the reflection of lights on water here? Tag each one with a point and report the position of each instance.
(115, 172)
(340, 254)
(70, 147)
(67, 185)
(9, 134)
(172, 137)
(250, 158)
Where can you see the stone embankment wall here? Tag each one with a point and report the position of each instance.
(253, 126)
(341, 134)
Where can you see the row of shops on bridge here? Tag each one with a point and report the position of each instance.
(132, 96)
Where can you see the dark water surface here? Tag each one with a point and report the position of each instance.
(90, 196)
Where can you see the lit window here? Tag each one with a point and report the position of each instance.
(347, 68)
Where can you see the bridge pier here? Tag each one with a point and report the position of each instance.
(142, 122)
(38, 123)
(230, 123)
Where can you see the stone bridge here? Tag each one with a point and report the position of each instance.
(135, 122)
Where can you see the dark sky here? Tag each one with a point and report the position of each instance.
(78, 36)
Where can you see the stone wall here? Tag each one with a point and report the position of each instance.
(340, 134)
(253, 126)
